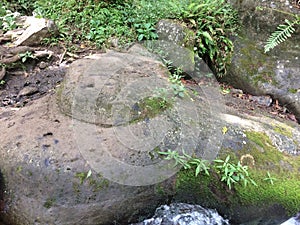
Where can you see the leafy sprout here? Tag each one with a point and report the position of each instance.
(283, 32)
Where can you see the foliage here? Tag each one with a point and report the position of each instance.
(7, 19)
(100, 22)
(283, 32)
(213, 21)
(26, 55)
(181, 160)
(269, 178)
(187, 162)
(230, 173)
(145, 31)
(233, 173)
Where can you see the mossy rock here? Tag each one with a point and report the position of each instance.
(275, 198)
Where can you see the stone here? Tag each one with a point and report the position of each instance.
(90, 153)
(36, 30)
(27, 91)
(176, 33)
(95, 168)
(274, 73)
(175, 43)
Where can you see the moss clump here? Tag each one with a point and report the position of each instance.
(99, 183)
(293, 90)
(148, 107)
(283, 129)
(49, 203)
(209, 191)
(284, 191)
(256, 64)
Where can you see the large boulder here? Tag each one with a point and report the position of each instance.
(275, 73)
(90, 153)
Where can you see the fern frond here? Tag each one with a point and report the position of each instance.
(280, 35)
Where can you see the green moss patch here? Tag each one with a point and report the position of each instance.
(283, 190)
(283, 129)
(148, 107)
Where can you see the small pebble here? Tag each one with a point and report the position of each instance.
(43, 65)
(27, 91)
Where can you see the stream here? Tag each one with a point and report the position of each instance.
(187, 214)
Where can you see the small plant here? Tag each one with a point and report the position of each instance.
(230, 173)
(283, 32)
(233, 173)
(201, 165)
(187, 161)
(181, 160)
(177, 86)
(83, 176)
(270, 179)
(162, 93)
(145, 31)
(25, 56)
(2, 82)
(8, 19)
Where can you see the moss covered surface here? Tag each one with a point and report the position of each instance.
(256, 64)
(148, 107)
(283, 129)
(283, 169)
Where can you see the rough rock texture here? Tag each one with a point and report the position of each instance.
(86, 166)
(36, 30)
(275, 73)
(58, 164)
(175, 43)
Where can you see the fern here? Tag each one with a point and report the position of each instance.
(281, 34)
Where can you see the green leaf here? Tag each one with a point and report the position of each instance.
(207, 36)
(140, 37)
(280, 35)
(89, 174)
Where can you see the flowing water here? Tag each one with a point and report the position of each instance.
(186, 214)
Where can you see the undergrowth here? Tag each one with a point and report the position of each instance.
(101, 23)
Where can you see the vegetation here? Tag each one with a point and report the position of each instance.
(283, 32)
(101, 23)
(275, 184)
(230, 173)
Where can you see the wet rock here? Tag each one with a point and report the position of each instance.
(293, 221)
(182, 214)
